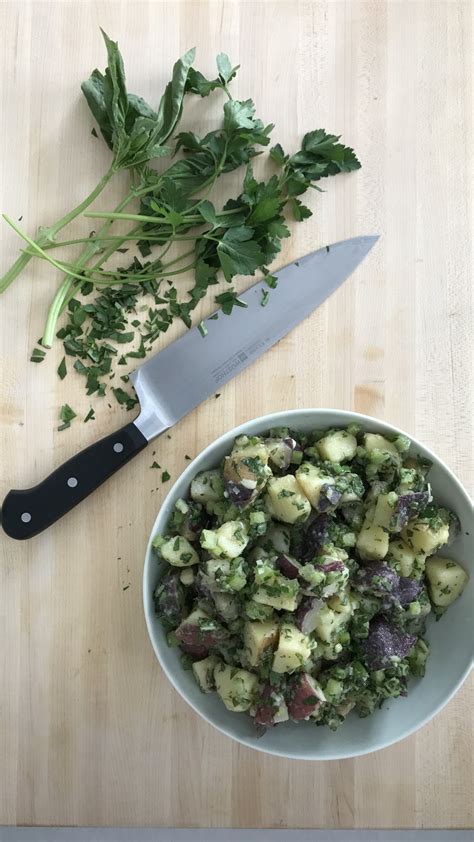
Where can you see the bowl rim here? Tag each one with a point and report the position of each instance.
(266, 421)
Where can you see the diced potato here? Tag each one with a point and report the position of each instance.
(372, 541)
(305, 696)
(294, 649)
(225, 574)
(207, 487)
(246, 472)
(447, 580)
(204, 673)
(332, 617)
(337, 446)
(237, 688)
(273, 588)
(198, 633)
(277, 538)
(281, 714)
(423, 539)
(403, 556)
(286, 501)
(258, 611)
(374, 441)
(229, 540)
(179, 552)
(186, 577)
(258, 637)
(383, 512)
(227, 606)
(252, 451)
(284, 601)
(271, 708)
(311, 479)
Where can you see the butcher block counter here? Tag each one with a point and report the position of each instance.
(91, 732)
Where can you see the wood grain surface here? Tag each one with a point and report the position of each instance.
(90, 730)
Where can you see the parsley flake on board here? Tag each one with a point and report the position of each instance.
(66, 415)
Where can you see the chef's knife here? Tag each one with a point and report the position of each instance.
(187, 371)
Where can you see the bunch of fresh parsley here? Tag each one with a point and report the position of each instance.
(102, 304)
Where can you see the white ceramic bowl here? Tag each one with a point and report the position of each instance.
(451, 639)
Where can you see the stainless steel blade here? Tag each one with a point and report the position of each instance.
(193, 367)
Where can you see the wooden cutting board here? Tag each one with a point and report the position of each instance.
(90, 730)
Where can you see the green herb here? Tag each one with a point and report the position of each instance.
(37, 355)
(186, 661)
(165, 476)
(155, 465)
(62, 370)
(188, 458)
(265, 297)
(90, 416)
(172, 207)
(66, 415)
(124, 398)
(228, 300)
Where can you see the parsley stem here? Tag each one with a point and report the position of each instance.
(139, 278)
(68, 289)
(134, 217)
(116, 238)
(47, 234)
(156, 220)
(65, 220)
(37, 248)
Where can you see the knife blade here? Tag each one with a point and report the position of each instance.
(185, 373)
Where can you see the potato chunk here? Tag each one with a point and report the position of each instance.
(332, 617)
(237, 688)
(403, 556)
(286, 500)
(383, 511)
(294, 649)
(229, 541)
(179, 552)
(423, 538)
(447, 580)
(372, 541)
(258, 637)
(204, 673)
(374, 441)
(312, 480)
(337, 446)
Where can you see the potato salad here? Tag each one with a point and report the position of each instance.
(299, 575)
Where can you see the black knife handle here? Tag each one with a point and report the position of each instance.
(25, 513)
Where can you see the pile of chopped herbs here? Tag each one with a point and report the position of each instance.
(106, 316)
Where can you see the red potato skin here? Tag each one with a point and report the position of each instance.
(195, 642)
(306, 615)
(265, 713)
(288, 566)
(301, 689)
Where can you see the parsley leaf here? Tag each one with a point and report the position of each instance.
(62, 370)
(66, 415)
(228, 300)
(238, 252)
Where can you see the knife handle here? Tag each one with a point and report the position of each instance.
(25, 513)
